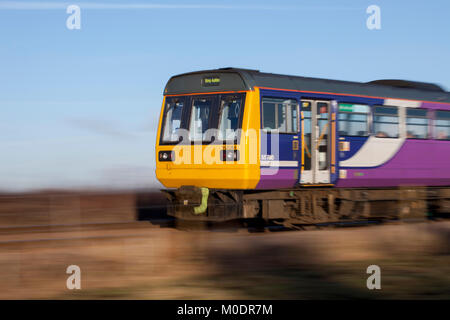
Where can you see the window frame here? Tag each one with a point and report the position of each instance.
(435, 119)
(427, 125)
(368, 119)
(163, 123)
(212, 116)
(374, 122)
(237, 138)
(277, 101)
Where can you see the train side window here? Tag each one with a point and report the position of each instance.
(442, 125)
(279, 115)
(172, 120)
(385, 122)
(353, 120)
(416, 123)
(269, 116)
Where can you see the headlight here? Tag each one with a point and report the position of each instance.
(166, 156)
(230, 155)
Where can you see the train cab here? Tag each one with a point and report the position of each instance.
(207, 135)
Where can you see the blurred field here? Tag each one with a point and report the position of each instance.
(166, 263)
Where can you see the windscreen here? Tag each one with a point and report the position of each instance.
(206, 118)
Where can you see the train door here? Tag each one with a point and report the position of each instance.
(315, 133)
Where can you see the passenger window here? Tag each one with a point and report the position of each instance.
(442, 125)
(174, 109)
(385, 122)
(269, 116)
(353, 120)
(416, 124)
(280, 115)
(200, 112)
(230, 110)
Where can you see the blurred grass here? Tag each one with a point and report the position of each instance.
(402, 277)
(172, 264)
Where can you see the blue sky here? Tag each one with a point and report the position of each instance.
(79, 108)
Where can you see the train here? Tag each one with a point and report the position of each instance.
(243, 144)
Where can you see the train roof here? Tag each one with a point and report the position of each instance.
(235, 79)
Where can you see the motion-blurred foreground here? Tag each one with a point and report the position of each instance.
(41, 234)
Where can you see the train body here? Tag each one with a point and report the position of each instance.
(256, 143)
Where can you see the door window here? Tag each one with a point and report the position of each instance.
(307, 135)
(322, 139)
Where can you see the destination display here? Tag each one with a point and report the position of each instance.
(210, 81)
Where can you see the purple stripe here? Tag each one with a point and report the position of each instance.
(417, 162)
(283, 178)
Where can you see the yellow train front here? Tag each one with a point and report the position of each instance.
(208, 144)
(237, 143)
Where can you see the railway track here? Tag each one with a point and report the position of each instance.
(154, 217)
(52, 228)
(21, 242)
(73, 233)
(25, 236)
(146, 230)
